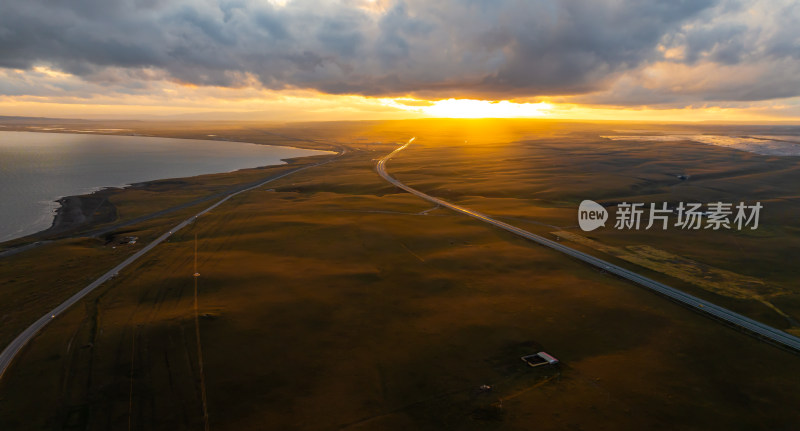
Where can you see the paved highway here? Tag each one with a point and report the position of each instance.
(758, 329)
(13, 349)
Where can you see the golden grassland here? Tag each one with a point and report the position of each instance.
(537, 183)
(718, 281)
(331, 300)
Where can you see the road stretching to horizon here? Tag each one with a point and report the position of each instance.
(15, 347)
(751, 326)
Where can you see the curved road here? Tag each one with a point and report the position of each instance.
(759, 329)
(13, 349)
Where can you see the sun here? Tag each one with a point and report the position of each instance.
(471, 108)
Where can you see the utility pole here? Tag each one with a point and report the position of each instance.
(199, 348)
(196, 274)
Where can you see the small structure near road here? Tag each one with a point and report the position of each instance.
(120, 241)
(541, 358)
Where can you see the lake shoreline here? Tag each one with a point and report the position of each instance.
(79, 215)
(83, 210)
(76, 213)
(73, 213)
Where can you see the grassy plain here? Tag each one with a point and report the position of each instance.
(331, 300)
(538, 182)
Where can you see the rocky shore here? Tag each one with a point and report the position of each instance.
(79, 212)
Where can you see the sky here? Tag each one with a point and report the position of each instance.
(661, 60)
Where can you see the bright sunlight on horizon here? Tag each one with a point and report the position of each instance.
(470, 108)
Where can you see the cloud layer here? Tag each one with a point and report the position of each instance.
(617, 52)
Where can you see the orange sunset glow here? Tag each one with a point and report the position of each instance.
(399, 215)
(393, 60)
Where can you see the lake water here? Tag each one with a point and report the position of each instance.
(765, 145)
(36, 169)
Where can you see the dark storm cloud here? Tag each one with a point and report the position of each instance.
(734, 51)
(578, 46)
(478, 48)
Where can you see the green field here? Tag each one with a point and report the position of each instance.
(329, 299)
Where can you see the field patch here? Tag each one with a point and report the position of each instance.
(715, 280)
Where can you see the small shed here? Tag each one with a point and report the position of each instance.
(541, 358)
